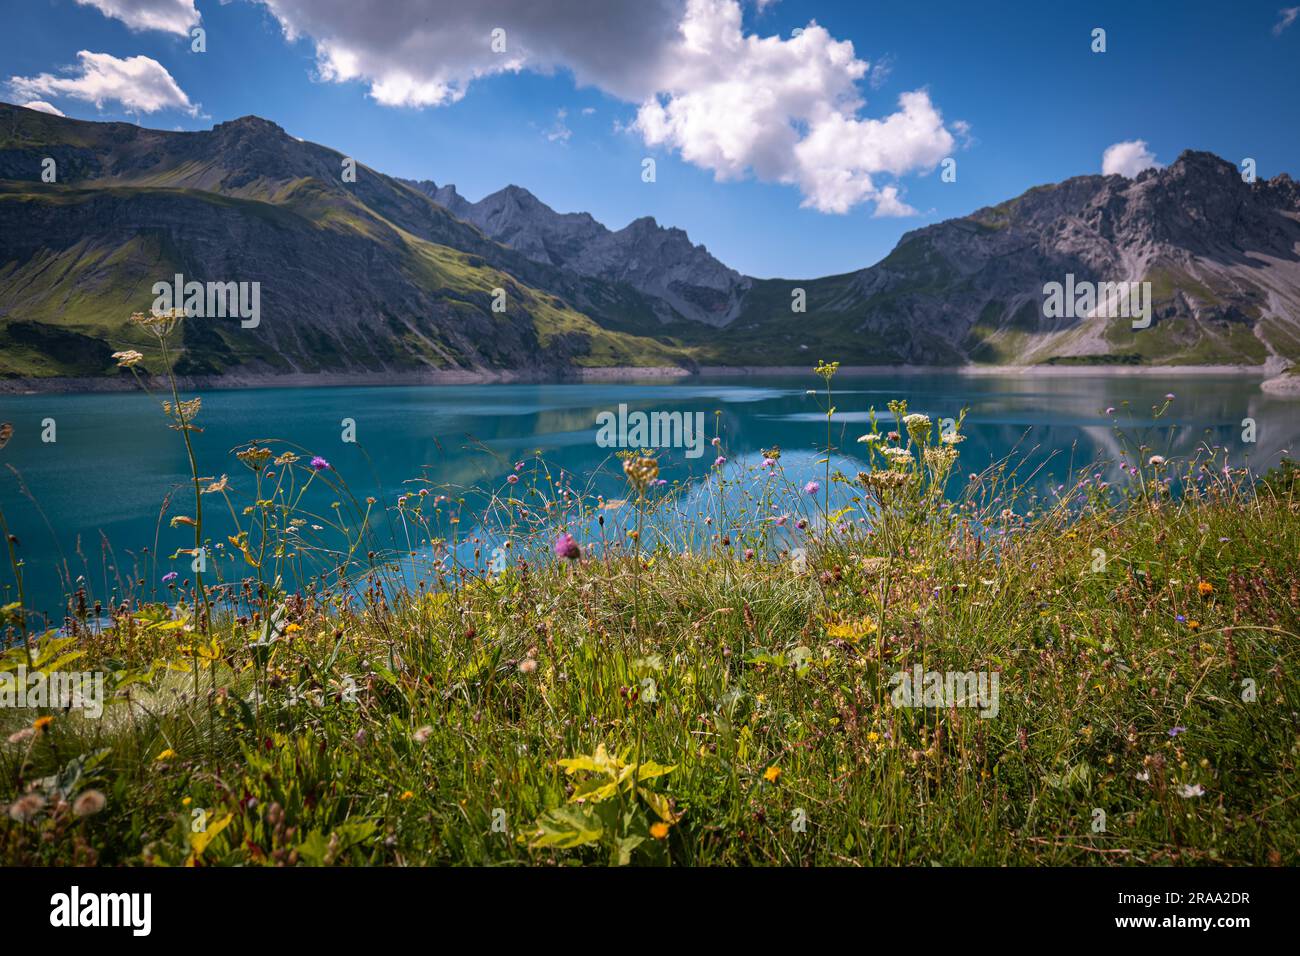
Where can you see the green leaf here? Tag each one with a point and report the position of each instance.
(567, 827)
(625, 847)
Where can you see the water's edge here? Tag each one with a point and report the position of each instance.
(1287, 385)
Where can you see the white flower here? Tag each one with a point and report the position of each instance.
(952, 438)
(1156, 460)
(1187, 791)
(1143, 776)
(869, 437)
(128, 358)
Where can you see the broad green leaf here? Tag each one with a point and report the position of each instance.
(567, 827)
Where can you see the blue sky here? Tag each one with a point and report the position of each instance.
(1011, 91)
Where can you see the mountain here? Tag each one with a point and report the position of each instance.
(1222, 257)
(681, 279)
(382, 277)
(356, 277)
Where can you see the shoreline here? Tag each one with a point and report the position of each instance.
(1285, 385)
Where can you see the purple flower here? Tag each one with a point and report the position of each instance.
(1169, 397)
(566, 547)
(1175, 731)
(1111, 410)
(512, 479)
(769, 462)
(319, 463)
(1180, 618)
(720, 462)
(169, 576)
(812, 488)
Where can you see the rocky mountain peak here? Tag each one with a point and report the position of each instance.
(680, 279)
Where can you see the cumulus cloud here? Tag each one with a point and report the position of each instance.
(43, 107)
(737, 104)
(785, 110)
(139, 83)
(1286, 17)
(427, 52)
(1127, 159)
(170, 16)
(889, 205)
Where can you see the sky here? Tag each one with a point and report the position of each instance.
(793, 138)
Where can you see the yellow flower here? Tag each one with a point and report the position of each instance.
(167, 754)
(1194, 625)
(872, 737)
(406, 795)
(772, 774)
(186, 802)
(1205, 587)
(292, 628)
(852, 630)
(640, 473)
(41, 723)
(659, 830)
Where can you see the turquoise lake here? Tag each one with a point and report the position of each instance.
(97, 491)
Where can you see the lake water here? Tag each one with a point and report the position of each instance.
(104, 479)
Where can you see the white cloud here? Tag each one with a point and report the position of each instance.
(170, 16)
(1127, 159)
(427, 52)
(559, 131)
(140, 84)
(880, 71)
(787, 111)
(783, 110)
(889, 205)
(43, 107)
(1287, 17)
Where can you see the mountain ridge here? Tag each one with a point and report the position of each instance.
(389, 276)
(682, 278)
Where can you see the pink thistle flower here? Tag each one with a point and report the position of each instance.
(566, 547)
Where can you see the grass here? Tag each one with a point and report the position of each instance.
(711, 690)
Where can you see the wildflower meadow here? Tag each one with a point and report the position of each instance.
(921, 662)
